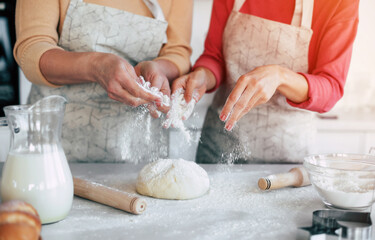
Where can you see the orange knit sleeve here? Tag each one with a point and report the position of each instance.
(178, 49)
(36, 30)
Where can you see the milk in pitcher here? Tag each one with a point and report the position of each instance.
(41, 181)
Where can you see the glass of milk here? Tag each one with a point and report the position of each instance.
(36, 169)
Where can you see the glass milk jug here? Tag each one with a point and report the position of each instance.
(36, 169)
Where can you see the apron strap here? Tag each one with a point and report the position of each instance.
(307, 13)
(303, 11)
(155, 9)
(157, 12)
(238, 4)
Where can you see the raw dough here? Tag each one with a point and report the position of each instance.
(173, 179)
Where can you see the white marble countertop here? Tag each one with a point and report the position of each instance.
(234, 208)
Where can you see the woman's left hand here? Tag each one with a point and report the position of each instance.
(252, 89)
(151, 71)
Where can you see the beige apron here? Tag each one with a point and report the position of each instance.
(275, 131)
(97, 128)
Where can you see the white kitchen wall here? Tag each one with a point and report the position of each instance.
(354, 129)
(24, 88)
(360, 86)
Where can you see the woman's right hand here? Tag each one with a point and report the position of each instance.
(119, 79)
(195, 83)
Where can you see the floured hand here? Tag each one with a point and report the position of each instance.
(180, 110)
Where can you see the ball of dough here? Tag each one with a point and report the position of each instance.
(173, 179)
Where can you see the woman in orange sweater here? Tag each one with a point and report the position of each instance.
(92, 52)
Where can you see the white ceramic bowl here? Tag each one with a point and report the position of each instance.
(344, 181)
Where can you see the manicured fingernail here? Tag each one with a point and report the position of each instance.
(223, 117)
(229, 127)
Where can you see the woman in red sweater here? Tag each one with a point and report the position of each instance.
(274, 63)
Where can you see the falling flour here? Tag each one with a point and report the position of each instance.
(145, 125)
(180, 110)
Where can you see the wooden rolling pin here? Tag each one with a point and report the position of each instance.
(296, 177)
(109, 196)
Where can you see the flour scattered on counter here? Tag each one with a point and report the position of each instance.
(233, 208)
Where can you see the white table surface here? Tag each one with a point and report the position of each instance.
(234, 208)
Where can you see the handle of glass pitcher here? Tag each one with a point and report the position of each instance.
(14, 127)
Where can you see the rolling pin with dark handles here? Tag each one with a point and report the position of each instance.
(296, 177)
(109, 196)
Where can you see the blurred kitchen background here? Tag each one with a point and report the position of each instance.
(349, 127)
(9, 73)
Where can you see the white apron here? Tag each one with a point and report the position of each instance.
(274, 131)
(97, 128)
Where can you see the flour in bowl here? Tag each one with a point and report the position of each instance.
(339, 192)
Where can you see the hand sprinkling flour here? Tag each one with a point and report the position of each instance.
(146, 86)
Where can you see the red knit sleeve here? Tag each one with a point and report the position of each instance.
(212, 57)
(329, 56)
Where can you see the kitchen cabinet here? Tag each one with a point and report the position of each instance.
(9, 86)
(352, 132)
(338, 141)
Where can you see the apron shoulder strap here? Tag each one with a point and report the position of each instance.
(307, 13)
(157, 12)
(155, 9)
(238, 4)
(303, 11)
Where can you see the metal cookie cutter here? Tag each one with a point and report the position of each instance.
(336, 224)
